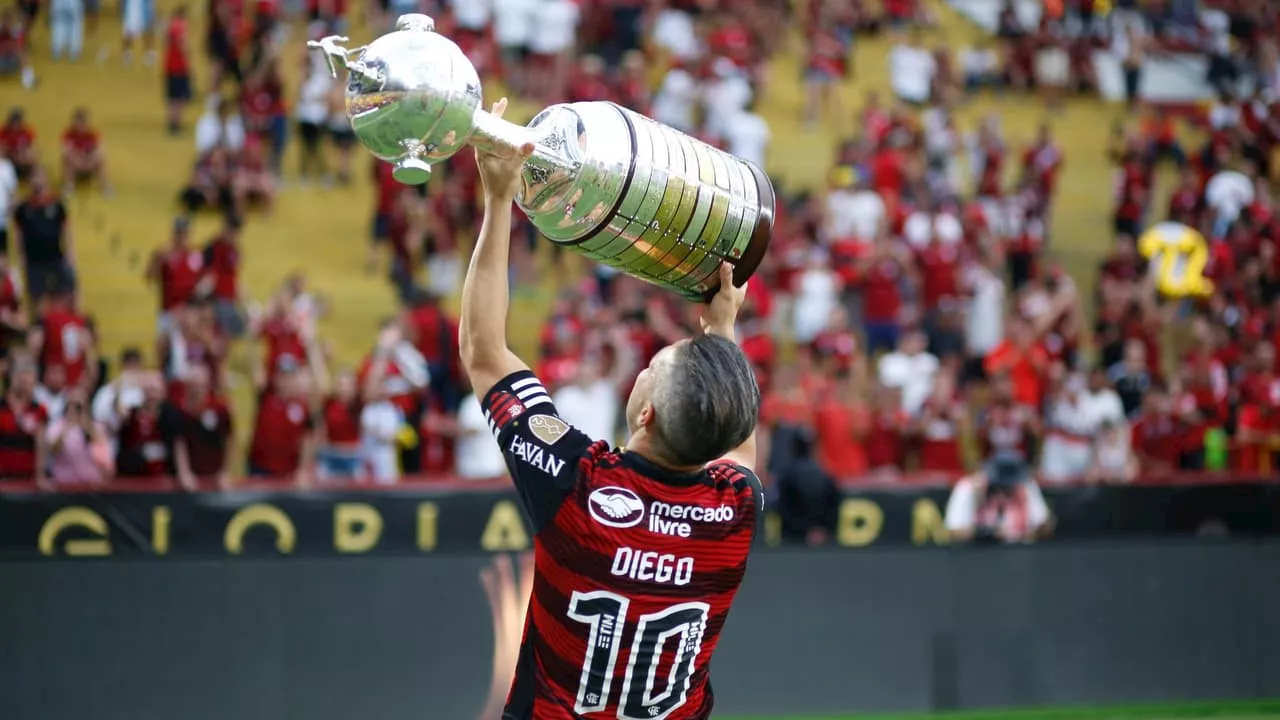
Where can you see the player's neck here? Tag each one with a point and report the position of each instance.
(642, 443)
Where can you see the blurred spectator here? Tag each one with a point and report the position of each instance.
(199, 428)
(221, 280)
(52, 391)
(676, 99)
(8, 197)
(312, 116)
(177, 69)
(138, 23)
(83, 160)
(396, 373)
(1156, 434)
(910, 369)
(212, 184)
(13, 318)
(23, 444)
(1071, 428)
(552, 37)
(79, 449)
(746, 135)
(980, 66)
(381, 423)
(221, 126)
(807, 496)
(284, 442)
(1114, 460)
(911, 70)
(999, 504)
(117, 398)
(66, 28)
(842, 422)
(939, 426)
(339, 455)
(591, 402)
(176, 270)
(14, 50)
(61, 337)
(142, 449)
(478, 457)
(513, 23)
(44, 234)
(726, 94)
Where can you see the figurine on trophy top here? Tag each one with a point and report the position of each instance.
(602, 180)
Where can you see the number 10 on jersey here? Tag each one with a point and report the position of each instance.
(606, 615)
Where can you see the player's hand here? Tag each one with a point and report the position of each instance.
(500, 173)
(722, 313)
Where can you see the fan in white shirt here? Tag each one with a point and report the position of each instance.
(478, 457)
(473, 15)
(724, 97)
(746, 134)
(676, 99)
(555, 27)
(513, 22)
(592, 403)
(676, 32)
(853, 211)
(380, 423)
(911, 71)
(219, 125)
(911, 369)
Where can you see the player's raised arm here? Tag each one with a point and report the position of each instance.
(483, 326)
(720, 318)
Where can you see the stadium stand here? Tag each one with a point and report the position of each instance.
(932, 303)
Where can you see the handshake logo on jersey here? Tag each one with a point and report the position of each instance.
(619, 507)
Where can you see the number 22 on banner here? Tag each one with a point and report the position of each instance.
(606, 614)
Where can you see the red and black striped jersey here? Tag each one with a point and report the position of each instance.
(635, 568)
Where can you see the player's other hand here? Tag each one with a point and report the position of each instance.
(722, 313)
(500, 173)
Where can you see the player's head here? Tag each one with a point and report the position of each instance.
(697, 400)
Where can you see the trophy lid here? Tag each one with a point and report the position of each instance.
(422, 99)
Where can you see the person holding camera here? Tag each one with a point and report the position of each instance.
(1000, 503)
(79, 449)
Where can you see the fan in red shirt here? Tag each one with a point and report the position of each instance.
(1156, 434)
(395, 370)
(222, 277)
(885, 442)
(144, 450)
(939, 265)
(881, 272)
(82, 157)
(589, 81)
(633, 83)
(23, 450)
(939, 426)
(1008, 427)
(254, 181)
(62, 337)
(177, 69)
(283, 444)
(435, 335)
(1041, 165)
(842, 421)
(1186, 203)
(283, 339)
(1132, 194)
(199, 427)
(1197, 408)
(177, 270)
(18, 143)
(339, 455)
(1023, 359)
(992, 151)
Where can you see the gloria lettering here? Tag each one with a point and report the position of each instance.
(536, 456)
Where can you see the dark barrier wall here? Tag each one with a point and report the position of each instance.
(813, 631)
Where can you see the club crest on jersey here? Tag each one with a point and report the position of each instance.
(548, 428)
(615, 507)
(533, 454)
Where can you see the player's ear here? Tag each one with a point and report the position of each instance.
(646, 415)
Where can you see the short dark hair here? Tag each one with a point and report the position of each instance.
(707, 400)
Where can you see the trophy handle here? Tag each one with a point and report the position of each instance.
(548, 173)
(340, 58)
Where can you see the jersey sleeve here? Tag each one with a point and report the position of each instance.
(540, 449)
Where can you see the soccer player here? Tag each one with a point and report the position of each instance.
(638, 552)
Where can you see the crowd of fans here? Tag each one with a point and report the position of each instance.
(906, 323)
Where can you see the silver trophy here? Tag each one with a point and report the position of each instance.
(603, 180)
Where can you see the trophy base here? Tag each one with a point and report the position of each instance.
(411, 171)
(751, 258)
